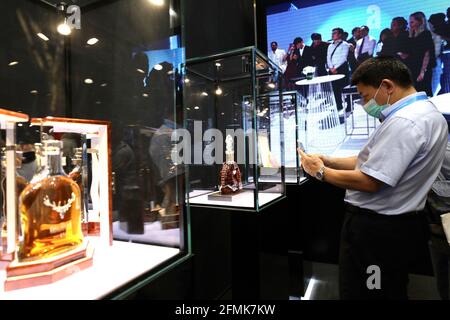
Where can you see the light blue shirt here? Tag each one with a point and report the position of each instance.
(405, 153)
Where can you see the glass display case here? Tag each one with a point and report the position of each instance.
(94, 100)
(294, 113)
(236, 148)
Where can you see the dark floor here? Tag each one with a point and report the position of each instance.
(324, 285)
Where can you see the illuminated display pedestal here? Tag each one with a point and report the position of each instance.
(325, 132)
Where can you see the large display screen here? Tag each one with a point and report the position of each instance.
(293, 19)
(289, 20)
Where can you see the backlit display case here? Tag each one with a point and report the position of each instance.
(235, 139)
(294, 114)
(92, 101)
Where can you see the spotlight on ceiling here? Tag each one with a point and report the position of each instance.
(92, 41)
(42, 36)
(157, 2)
(64, 29)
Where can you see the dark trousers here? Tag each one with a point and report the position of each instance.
(389, 243)
(339, 85)
(440, 256)
(425, 84)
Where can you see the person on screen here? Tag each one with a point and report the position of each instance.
(445, 78)
(319, 50)
(290, 74)
(337, 54)
(365, 46)
(401, 40)
(305, 59)
(437, 25)
(345, 36)
(385, 46)
(356, 35)
(277, 56)
(422, 58)
(304, 55)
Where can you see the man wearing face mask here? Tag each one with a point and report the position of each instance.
(387, 183)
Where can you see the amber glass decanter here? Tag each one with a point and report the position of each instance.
(50, 210)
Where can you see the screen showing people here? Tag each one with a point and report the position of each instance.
(335, 37)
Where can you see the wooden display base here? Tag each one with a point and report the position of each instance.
(151, 215)
(6, 256)
(218, 196)
(169, 221)
(21, 275)
(170, 225)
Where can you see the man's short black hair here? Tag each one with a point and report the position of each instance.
(365, 28)
(274, 42)
(372, 72)
(355, 29)
(437, 19)
(297, 40)
(316, 36)
(402, 22)
(339, 30)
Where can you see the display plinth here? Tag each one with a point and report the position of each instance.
(21, 275)
(4, 256)
(219, 196)
(247, 253)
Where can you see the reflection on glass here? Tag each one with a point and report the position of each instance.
(234, 111)
(126, 71)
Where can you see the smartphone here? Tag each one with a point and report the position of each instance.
(302, 171)
(301, 147)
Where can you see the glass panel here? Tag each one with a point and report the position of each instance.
(119, 61)
(294, 129)
(220, 101)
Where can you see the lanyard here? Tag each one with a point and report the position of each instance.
(419, 97)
